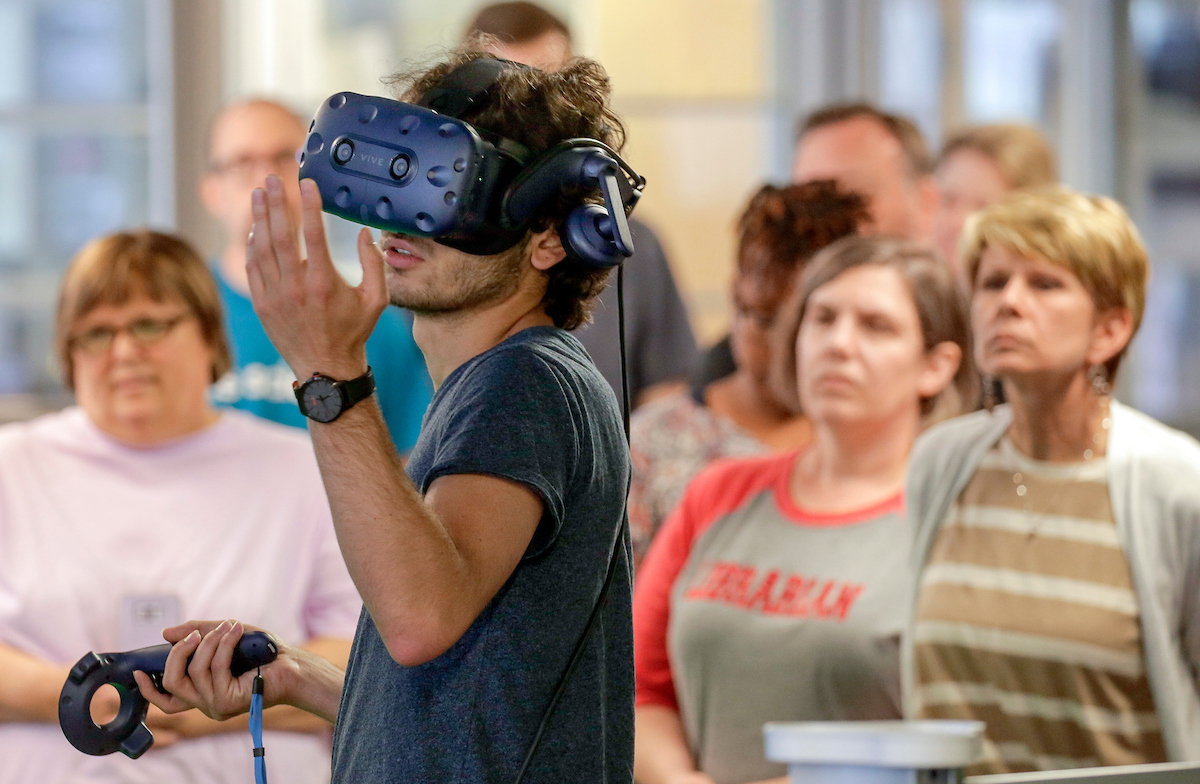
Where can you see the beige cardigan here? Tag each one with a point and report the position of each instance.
(1154, 482)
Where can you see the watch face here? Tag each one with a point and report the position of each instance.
(322, 400)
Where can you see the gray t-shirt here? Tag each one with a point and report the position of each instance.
(659, 344)
(534, 410)
(773, 613)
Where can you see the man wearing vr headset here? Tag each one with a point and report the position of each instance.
(479, 569)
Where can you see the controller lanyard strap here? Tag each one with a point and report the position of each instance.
(256, 730)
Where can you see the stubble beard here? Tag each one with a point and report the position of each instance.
(461, 284)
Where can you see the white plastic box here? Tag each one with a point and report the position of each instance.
(874, 752)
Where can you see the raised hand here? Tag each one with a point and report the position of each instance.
(317, 321)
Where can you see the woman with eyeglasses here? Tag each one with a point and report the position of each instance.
(142, 506)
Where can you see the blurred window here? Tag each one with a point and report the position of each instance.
(73, 114)
(1010, 60)
(910, 59)
(1166, 38)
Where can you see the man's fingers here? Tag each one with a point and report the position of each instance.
(175, 675)
(200, 669)
(254, 277)
(374, 281)
(260, 253)
(283, 233)
(313, 223)
(174, 634)
(167, 703)
(223, 658)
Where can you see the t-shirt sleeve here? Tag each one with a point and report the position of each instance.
(401, 379)
(332, 605)
(715, 492)
(652, 612)
(518, 418)
(664, 561)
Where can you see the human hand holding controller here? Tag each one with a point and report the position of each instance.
(132, 673)
(198, 674)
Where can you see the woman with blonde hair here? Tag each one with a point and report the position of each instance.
(777, 590)
(980, 164)
(1058, 536)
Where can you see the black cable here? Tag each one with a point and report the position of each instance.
(580, 645)
(621, 340)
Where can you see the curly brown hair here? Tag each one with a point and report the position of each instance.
(540, 109)
(781, 228)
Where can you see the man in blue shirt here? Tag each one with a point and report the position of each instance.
(248, 141)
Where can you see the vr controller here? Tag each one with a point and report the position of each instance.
(413, 170)
(127, 732)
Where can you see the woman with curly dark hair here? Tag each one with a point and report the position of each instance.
(674, 438)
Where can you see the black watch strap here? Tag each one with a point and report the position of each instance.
(358, 389)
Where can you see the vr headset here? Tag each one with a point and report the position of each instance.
(423, 171)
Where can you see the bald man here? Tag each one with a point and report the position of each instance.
(249, 140)
(879, 155)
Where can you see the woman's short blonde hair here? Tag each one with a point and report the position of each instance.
(1020, 152)
(1092, 236)
(112, 269)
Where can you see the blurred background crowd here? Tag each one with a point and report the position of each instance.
(105, 105)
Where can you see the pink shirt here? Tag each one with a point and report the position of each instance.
(231, 522)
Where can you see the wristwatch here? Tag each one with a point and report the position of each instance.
(324, 399)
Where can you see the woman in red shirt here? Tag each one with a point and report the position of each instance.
(777, 589)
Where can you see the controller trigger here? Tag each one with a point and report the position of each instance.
(138, 742)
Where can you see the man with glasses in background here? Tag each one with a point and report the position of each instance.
(249, 140)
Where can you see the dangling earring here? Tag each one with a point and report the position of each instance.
(989, 391)
(1098, 375)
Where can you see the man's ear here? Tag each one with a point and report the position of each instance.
(928, 197)
(209, 190)
(546, 249)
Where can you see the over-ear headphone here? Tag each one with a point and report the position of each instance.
(420, 169)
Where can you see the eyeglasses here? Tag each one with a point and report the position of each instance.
(244, 167)
(99, 340)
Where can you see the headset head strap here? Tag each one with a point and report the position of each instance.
(459, 91)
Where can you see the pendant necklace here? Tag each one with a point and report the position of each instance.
(1099, 441)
